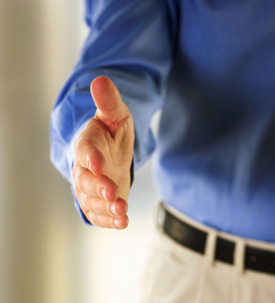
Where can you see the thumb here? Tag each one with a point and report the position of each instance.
(110, 107)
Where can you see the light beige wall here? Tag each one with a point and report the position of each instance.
(37, 230)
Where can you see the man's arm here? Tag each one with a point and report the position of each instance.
(130, 43)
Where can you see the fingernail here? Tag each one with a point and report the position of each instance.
(103, 193)
(113, 209)
(117, 224)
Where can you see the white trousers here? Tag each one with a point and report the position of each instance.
(175, 274)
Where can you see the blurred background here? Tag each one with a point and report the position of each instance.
(46, 253)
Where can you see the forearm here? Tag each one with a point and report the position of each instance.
(131, 47)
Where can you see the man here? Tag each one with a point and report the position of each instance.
(210, 66)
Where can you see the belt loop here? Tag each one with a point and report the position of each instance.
(239, 255)
(159, 216)
(210, 248)
(209, 261)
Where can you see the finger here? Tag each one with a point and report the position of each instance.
(108, 222)
(95, 186)
(100, 207)
(110, 108)
(88, 156)
(84, 210)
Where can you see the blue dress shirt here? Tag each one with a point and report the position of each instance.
(210, 66)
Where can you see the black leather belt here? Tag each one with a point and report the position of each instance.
(195, 239)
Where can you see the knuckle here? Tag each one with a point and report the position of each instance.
(78, 196)
(87, 214)
(90, 217)
(85, 201)
(80, 180)
(106, 223)
(85, 151)
(78, 146)
(93, 204)
(84, 145)
(78, 150)
(77, 192)
(100, 221)
(102, 207)
(95, 220)
(99, 183)
(74, 172)
(108, 210)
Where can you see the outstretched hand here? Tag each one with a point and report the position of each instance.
(102, 158)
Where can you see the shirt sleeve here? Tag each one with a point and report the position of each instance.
(130, 41)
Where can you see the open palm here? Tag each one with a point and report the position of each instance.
(103, 156)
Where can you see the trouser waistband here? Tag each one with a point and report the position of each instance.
(186, 232)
